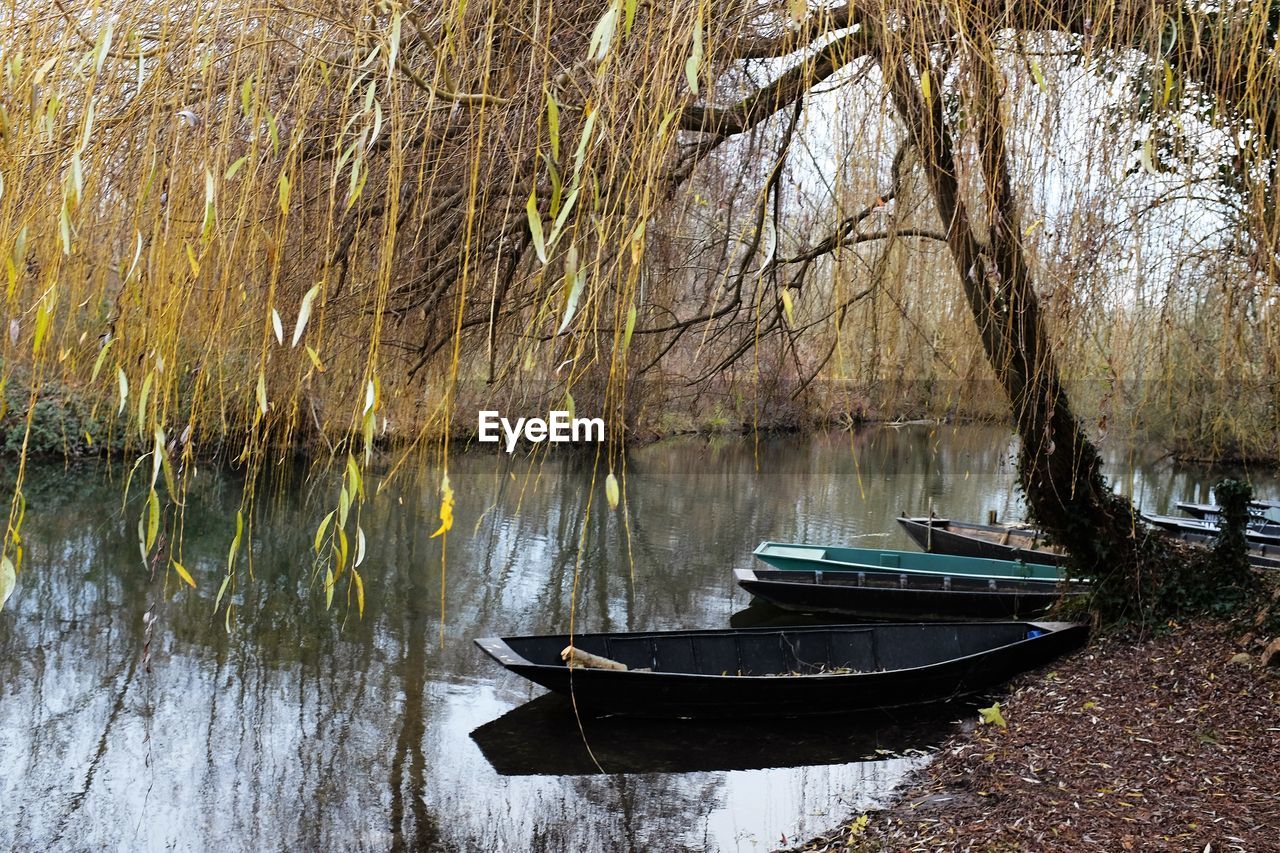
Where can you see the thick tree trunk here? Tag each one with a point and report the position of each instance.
(1059, 467)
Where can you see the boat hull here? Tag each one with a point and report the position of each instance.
(916, 664)
(982, 540)
(909, 597)
(818, 558)
(1256, 535)
(942, 536)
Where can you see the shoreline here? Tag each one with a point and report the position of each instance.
(1168, 743)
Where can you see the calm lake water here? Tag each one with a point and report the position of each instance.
(307, 729)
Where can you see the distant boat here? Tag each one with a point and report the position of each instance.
(864, 595)
(786, 671)
(990, 541)
(819, 558)
(943, 536)
(1256, 534)
(1261, 511)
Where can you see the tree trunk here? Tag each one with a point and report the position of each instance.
(1059, 466)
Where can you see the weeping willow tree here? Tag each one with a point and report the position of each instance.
(342, 226)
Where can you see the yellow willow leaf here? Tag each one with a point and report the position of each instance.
(315, 359)
(226, 619)
(570, 407)
(630, 327)
(285, 187)
(926, 87)
(184, 574)
(320, 531)
(355, 481)
(798, 10)
(8, 579)
(344, 506)
(304, 314)
(143, 397)
(157, 455)
(44, 313)
(1147, 157)
(153, 520)
(611, 490)
(629, 17)
(355, 576)
(359, 546)
(102, 355)
(123, 382)
(221, 591)
(395, 44)
(637, 245)
(192, 261)
(328, 588)
(277, 326)
(694, 62)
(553, 124)
(235, 542)
(602, 35)
(535, 226)
(101, 47)
(446, 507)
(787, 307)
(342, 549)
(1039, 77)
(580, 153)
(573, 284)
(64, 229)
(369, 398)
(235, 167)
(1168, 84)
(262, 393)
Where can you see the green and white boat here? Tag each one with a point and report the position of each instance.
(819, 558)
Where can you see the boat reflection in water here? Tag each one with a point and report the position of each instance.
(544, 737)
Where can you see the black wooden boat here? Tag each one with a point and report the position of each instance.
(993, 542)
(1256, 533)
(865, 595)
(966, 539)
(788, 671)
(544, 737)
(1260, 512)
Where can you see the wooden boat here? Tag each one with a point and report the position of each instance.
(1263, 512)
(907, 596)
(818, 558)
(785, 671)
(990, 541)
(943, 536)
(1255, 534)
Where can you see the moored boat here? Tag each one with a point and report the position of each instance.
(864, 595)
(1262, 512)
(943, 536)
(784, 671)
(989, 541)
(1255, 534)
(816, 558)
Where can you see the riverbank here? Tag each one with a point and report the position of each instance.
(1168, 744)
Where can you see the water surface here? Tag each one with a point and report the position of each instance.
(307, 729)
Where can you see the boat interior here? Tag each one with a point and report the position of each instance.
(862, 648)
